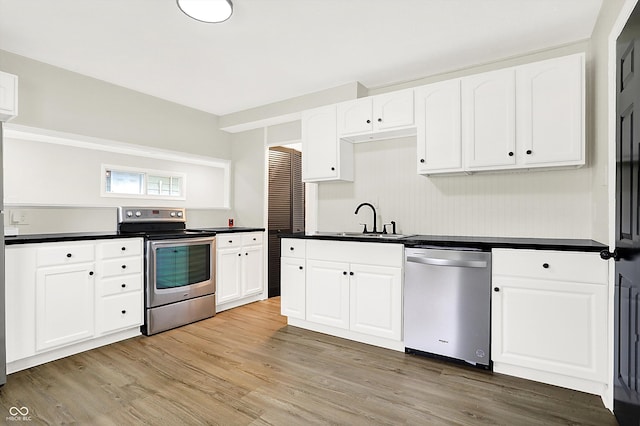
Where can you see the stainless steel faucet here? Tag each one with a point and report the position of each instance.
(373, 209)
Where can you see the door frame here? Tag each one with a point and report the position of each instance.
(310, 202)
(310, 192)
(616, 30)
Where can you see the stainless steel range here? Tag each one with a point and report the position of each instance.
(180, 270)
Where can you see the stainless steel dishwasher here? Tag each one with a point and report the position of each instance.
(447, 303)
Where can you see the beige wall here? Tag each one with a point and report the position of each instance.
(56, 99)
(248, 170)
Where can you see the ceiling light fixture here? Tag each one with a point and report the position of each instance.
(211, 11)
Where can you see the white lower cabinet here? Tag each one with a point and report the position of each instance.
(376, 300)
(64, 305)
(120, 299)
(328, 293)
(292, 278)
(350, 289)
(549, 317)
(61, 300)
(239, 269)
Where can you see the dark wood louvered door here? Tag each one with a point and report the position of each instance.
(286, 206)
(626, 378)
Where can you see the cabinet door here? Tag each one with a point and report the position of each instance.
(376, 301)
(319, 144)
(292, 287)
(64, 305)
(252, 270)
(228, 274)
(439, 127)
(550, 110)
(393, 110)
(8, 96)
(355, 117)
(119, 312)
(488, 111)
(328, 293)
(552, 326)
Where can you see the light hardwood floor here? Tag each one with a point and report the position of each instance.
(247, 367)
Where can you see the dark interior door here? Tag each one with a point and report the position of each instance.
(286, 206)
(627, 265)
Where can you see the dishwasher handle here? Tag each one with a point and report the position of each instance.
(447, 262)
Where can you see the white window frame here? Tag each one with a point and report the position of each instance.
(146, 172)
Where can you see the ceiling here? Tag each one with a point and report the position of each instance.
(271, 50)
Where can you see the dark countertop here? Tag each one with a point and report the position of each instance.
(485, 243)
(227, 230)
(69, 236)
(80, 236)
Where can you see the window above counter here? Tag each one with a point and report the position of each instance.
(121, 181)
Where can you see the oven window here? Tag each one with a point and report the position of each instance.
(182, 265)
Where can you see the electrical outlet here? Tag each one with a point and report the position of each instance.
(19, 217)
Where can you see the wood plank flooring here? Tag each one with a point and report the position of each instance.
(247, 367)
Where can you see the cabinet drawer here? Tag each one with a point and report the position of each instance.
(62, 255)
(118, 312)
(120, 248)
(228, 240)
(124, 266)
(293, 248)
(252, 238)
(551, 265)
(380, 254)
(119, 285)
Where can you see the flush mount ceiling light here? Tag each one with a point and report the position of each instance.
(207, 10)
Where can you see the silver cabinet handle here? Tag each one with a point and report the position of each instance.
(447, 262)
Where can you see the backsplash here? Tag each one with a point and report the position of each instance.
(542, 204)
(53, 220)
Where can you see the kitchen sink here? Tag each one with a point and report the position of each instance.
(361, 235)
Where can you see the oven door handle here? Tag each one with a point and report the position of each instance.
(447, 262)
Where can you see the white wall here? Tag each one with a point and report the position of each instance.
(513, 204)
(598, 114)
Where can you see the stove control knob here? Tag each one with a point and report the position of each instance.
(172, 214)
(129, 213)
(179, 214)
(138, 213)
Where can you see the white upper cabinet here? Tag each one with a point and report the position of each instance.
(377, 117)
(8, 96)
(324, 157)
(355, 117)
(393, 110)
(550, 105)
(515, 118)
(523, 117)
(438, 127)
(488, 111)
